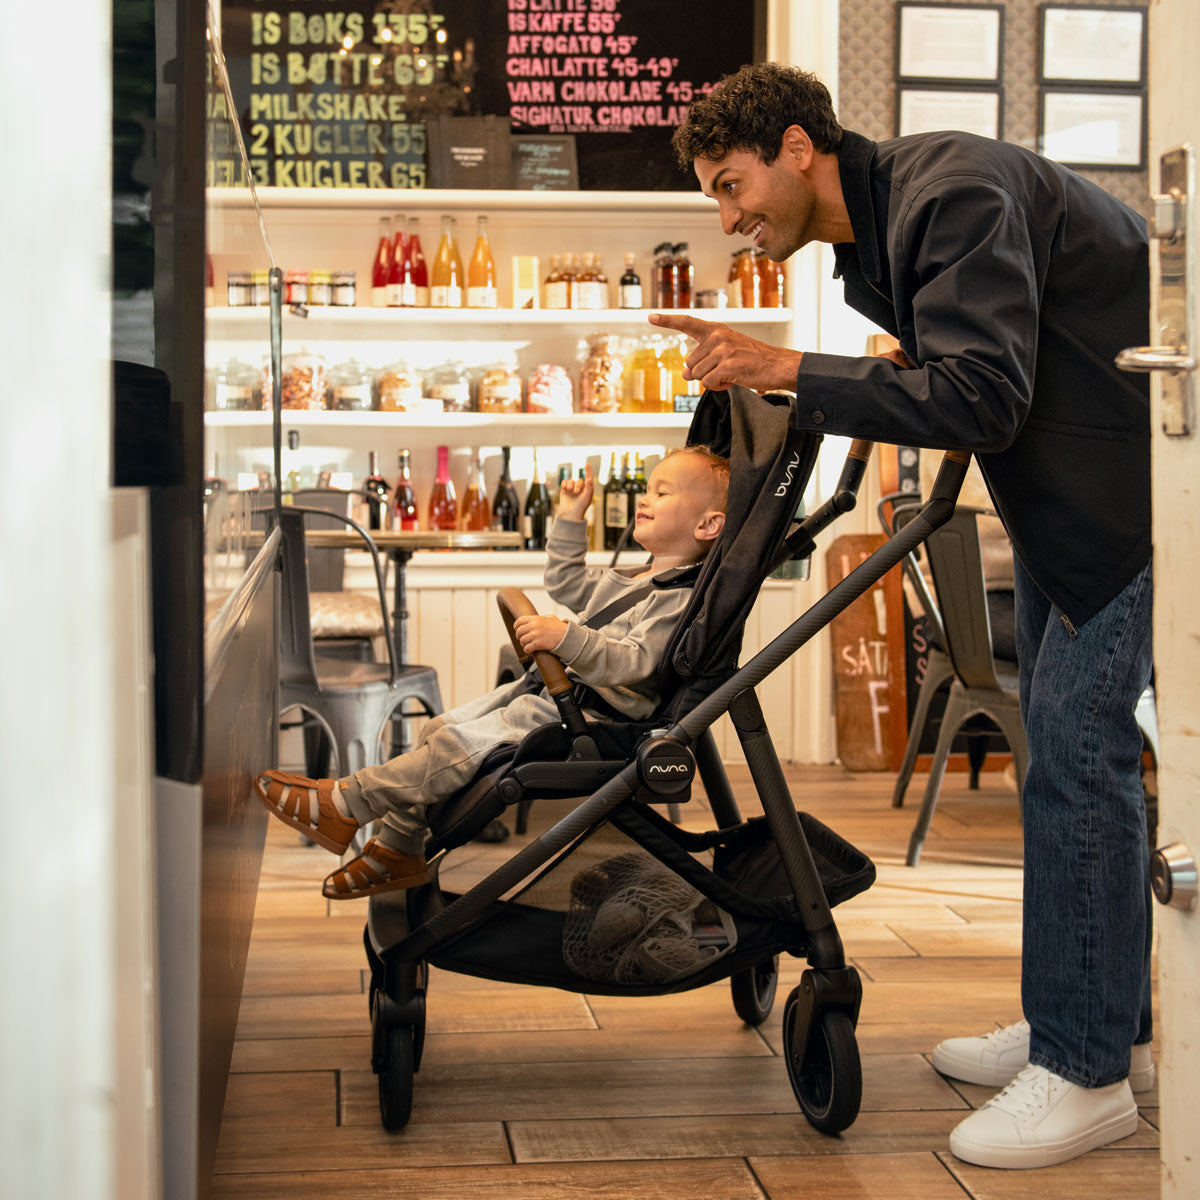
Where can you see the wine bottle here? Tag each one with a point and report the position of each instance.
(506, 507)
(446, 278)
(443, 504)
(481, 271)
(537, 511)
(377, 491)
(416, 271)
(404, 498)
(684, 275)
(477, 512)
(631, 284)
(616, 505)
(382, 264)
(394, 291)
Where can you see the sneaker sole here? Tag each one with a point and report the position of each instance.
(1017, 1158)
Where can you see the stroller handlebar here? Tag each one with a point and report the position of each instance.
(514, 603)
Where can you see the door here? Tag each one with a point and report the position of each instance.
(1175, 120)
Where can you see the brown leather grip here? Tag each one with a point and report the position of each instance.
(514, 603)
(962, 457)
(861, 450)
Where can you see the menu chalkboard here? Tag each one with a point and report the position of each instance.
(338, 96)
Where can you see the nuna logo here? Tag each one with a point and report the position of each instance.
(669, 768)
(782, 489)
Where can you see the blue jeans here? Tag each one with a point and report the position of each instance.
(1085, 960)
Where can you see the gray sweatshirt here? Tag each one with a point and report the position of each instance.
(620, 659)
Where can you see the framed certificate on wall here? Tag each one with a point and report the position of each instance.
(927, 109)
(949, 42)
(1083, 43)
(1084, 128)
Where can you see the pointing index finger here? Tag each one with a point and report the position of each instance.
(692, 326)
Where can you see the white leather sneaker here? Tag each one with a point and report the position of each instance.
(994, 1059)
(1041, 1119)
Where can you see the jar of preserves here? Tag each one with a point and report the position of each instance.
(303, 381)
(349, 387)
(746, 288)
(773, 282)
(600, 381)
(320, 288)
(239, 294)
(260, 287)
(549, 390)
(500, 389)
(398, 388)
(343, 289)
(233, 386)
(450, 384)
(295, 287)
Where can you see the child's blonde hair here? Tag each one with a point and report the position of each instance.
(718, 467)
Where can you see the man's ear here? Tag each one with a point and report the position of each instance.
(709, 526)
(797, 146)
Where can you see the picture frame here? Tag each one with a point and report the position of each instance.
(924, 109)
(951, 43)
(1092, 44)
(1093, 128)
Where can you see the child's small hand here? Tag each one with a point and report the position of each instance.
(539, 633)
(574, 496)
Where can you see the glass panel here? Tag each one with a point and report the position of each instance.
(241, 440)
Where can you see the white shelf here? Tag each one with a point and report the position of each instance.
(365, 321)
(387, 200)
(576, 425)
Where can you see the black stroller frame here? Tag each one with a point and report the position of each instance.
(407, 930)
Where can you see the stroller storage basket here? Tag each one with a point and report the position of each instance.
(632, 909)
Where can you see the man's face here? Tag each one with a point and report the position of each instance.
(772, 205)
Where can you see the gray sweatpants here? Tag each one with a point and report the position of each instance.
(444, 760)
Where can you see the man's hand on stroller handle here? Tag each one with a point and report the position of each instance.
(539, 632)
(723, 357)
(574, 496)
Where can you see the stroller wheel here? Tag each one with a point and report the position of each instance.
(827, 1080)
(754, 991)
(394, 1061)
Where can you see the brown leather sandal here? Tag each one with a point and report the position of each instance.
(387, 871)
(289, 797)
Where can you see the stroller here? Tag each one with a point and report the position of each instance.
(615, 899)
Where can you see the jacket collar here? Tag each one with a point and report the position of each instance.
(855, 157)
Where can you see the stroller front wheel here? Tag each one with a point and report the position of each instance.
(754, 991)
(394, 1060)
(826, 1077)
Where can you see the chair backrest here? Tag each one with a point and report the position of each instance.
(297, 658)
(956, 564)
(326, 567)
(904, 506)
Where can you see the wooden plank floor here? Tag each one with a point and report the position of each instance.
(527, 1092)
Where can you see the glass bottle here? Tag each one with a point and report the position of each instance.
(748, 287)
(481, 271)
(673, 355)
(446, 277)
(394, 291)
(774, 293)
(443, 504)
(477, 513)
(570, 274)
(381, 267)
(600, 380)
(554, 289)
(506, 507)
(648, 379)
(415, 287)
(616, 505)
(664, 276)
(377, 492)
(450, 384)
(404, 498)
(500, 388)
(684, 275)
(587, 284)
(536, 524)
(631, 284)
(637, 483)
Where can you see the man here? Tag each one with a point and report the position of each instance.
(1011, 284)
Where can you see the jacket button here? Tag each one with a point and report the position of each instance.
(817, 417)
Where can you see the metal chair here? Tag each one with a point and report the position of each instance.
(981, 685)
(351, 700)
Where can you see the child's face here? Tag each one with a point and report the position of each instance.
(675, 515)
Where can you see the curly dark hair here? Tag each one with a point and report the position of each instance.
(750, 109)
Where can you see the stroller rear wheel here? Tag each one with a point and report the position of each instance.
(827, 1076)
(754, 991)
(393, 1058)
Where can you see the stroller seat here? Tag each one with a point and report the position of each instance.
(613, 898)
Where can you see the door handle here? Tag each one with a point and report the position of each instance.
(1155, 358)
(1173, 876)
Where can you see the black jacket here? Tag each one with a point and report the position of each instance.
(1011, 283)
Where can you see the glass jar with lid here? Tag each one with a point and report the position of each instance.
(295, 286)
(303, 381)
(450, 384)
(320, 288)
(600, 381)
(239, 294)
(349, 387)
(500, 388)
(549, 390)
(233, 386)
(398, 388)
(260, 287)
